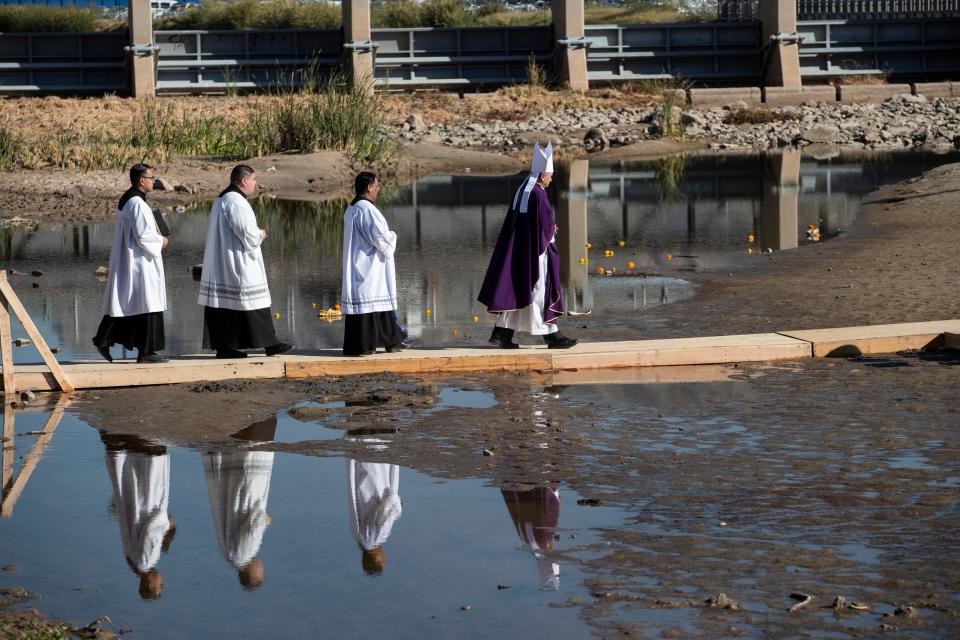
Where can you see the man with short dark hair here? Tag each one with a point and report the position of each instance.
(136, 293)
(369, 293)
(233, 284)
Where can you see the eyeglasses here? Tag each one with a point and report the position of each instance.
(146, 177)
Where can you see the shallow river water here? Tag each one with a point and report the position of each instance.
(674, 217)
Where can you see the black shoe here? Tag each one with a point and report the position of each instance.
(359, 355)
(227, 354)
(558, 341)
(151, 358)
(503, 338)
(400, 346)
(105, 352)
(277, 349)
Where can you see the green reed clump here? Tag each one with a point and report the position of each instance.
(669, 175)
(338, 116)
(31, 18)
(11, 147)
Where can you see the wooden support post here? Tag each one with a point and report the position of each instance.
(143, 83)
(358, 43)
(6, 351)
(779, 26)
(13, 302)
(30, 462)
(568, 29)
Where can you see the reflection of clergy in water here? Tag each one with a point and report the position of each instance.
(535, 513)
(374, 504)
(238, 484)
(140, 474)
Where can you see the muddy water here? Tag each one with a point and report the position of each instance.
(457, 558)
(675, 218)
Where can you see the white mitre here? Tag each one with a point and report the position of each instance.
(542, 159)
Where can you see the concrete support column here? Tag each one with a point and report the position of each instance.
(778, 210)
(357, 42)
(779, 18)
(143, 82)
(567, 25)
(572, 237)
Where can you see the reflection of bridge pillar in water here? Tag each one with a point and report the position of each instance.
(572, 238)
(778, 211)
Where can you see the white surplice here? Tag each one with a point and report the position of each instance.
(369, 273)
(141, 490)
(234, 276)
(530, 318)
(238, 484)
(374, 501)
(135, 283)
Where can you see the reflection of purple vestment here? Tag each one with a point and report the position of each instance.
(535, 513)
(515, 266)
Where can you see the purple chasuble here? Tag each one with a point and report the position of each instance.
(515, 266)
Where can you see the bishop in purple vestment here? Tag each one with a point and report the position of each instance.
(522, 285)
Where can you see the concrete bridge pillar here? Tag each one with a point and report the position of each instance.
(779, 19)
(572, 237)
(357, 43)
(143, 82)
(568, 30)
(778, 210)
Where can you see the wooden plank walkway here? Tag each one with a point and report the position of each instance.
(716, 350)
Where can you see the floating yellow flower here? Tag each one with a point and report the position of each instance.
(429, 313)
(608, 253)
(622, 243)
(313, 305)
(476, 318)
(583, 261)
(749, 249)
(669, 256)
(750, 238)
(600, 270)
(588, 246)
(631, 264)
(337, 306)
(276, 316)
(455, 332)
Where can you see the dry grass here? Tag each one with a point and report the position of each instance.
(861, 79)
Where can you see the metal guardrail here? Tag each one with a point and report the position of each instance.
(58, 62)
(459, 56)
(228, 60)
(904, 48)
(727, 50)
(862, 9)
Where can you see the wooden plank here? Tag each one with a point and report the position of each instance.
(6, 474)
(646, 375)
(759, 347)
(13, 302)
(885, 338)
(6, 350)
(422, 361)
(30, 462)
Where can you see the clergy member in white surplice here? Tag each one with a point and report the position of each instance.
(136, 294)
(238, 484)
(140, 475)
(374, 503)
(233, 284)
(369, 291)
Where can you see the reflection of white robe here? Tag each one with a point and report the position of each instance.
(373, 501)
(234, 276)
(369, 273)
(135, 283)
(238, 484)
(141, 490)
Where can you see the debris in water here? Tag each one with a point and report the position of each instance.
(36, 273)
(589, 502)
(722, 601)
(902, 612)
(487, 452)
(503, 586)
(840, 603)
(22, 342)
(804, 599)
(465, 607)
(101, 272)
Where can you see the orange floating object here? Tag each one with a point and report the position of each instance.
(588, 246)
(428, 313)
(313, 305)
(631, 265)
(583, 261)
(669, 256)
(749, 249)
(337, 306)
(750, 238)
(476, 318)
(601, 270)
(276, 316)
(622, 243)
